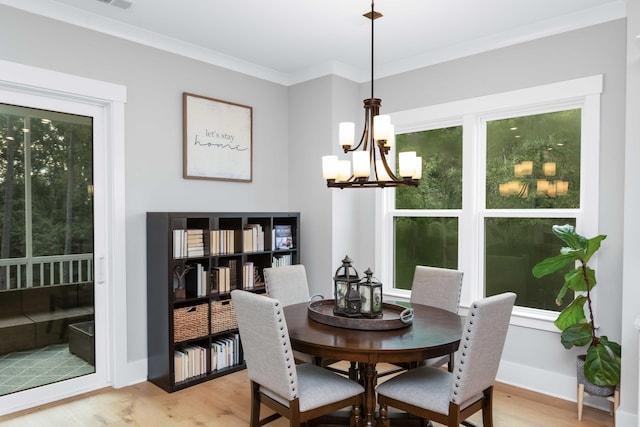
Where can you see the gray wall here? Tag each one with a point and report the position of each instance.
(155, 81)
(293, 127)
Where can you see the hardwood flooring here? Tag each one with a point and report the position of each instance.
(224, 402)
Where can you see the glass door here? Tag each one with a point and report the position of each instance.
(47, 309)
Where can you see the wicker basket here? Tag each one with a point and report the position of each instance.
(190, 322)
(223, 316)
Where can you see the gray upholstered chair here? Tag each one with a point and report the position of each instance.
(441, 288)
(449, 398)
(437, 287)
(297, 392)
(287, 284)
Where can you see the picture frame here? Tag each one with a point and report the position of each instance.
(217, 139)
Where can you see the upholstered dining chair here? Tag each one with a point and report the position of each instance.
(298, 392)
(288, 284)
(451, 397)
(437, 287)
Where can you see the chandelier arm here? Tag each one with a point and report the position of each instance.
(386, 166)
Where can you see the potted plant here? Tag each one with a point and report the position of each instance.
(602, 360)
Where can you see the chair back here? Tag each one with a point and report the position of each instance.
(483, 337)
(265, 342)
(287, 284)
(437, 287)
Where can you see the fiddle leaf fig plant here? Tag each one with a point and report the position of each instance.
(602, 363)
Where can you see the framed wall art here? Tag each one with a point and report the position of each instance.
(218, 139)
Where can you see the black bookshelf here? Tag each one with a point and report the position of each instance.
(197, 316)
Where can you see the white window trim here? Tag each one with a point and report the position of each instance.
(473, 113)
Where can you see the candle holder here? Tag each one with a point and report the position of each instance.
(370, 295)
(345, 288)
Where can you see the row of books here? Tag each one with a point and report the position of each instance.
(253, 238)
(281, 260)
(221, 279)
(189, 361)
(225, 278)
(188, 243)
(191, 243)
(225, 241)
(225, 352)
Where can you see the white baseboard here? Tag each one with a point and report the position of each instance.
(546, 382)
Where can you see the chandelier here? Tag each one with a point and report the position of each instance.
(370, 165)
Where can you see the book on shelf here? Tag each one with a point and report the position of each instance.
(189, 361)
(225, 241)
(253, 238)
(220, 280)
(195, 242)
(188, 243)
(248, 275)
(281, 260)
(283, 238)
(232, 275)
(225, 352)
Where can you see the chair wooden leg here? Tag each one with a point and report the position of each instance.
(580, 400)
(255, 406)
(356, 416)
(487, 408)
(383, 419)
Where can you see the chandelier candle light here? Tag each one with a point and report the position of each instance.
(370, 167)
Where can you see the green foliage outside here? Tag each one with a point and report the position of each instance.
(441, 183)
(512, 244)
(429, 240)
(59, 172)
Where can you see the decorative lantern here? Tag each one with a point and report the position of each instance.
(345, 289)
(370, 295)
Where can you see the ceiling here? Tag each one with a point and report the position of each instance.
(288, 41)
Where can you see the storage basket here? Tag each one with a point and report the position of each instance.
(223, 316)
(190, 322)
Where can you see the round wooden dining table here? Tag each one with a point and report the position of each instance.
(432, 333)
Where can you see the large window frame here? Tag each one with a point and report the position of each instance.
(473, 114)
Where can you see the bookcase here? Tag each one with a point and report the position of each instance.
(194, 261)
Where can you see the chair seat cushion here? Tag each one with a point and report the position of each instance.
(426, 387)
(319, 387)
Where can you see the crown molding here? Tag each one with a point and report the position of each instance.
(58, 11)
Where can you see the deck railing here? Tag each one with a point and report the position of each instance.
(22, 273)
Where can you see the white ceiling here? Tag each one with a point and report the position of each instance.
(288, 41)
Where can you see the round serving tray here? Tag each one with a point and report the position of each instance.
(393, 317)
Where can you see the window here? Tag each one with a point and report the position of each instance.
(432, 211)
(498, 172)
(46, 189)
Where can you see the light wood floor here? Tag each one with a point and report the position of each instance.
(224, 402)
